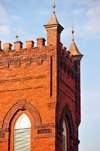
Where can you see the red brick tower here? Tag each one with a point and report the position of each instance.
(40, 94)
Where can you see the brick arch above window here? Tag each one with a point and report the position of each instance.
(22, 105)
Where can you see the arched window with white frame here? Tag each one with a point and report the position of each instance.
(22, 133)
(64, 136)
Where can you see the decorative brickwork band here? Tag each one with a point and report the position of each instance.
(20, 105)
(44, 131)
(45, 136)
(3, 140)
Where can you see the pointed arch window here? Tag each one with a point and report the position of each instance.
(22, 133)
(64, 136)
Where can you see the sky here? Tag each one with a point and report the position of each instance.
(30, 16)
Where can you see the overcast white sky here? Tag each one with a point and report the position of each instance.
(31, 15)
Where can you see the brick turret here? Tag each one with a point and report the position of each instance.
(41, 84)
(53, 30)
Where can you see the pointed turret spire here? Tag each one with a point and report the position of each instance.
(53, 19)
(52, 27)
(72, 32)
(73, 48)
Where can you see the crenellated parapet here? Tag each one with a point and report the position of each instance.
(27, 55)
(20, 55)
(18, 45)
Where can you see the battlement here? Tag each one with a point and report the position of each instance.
(18, 45)
(30, 53)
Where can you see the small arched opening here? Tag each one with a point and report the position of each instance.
(66, 124)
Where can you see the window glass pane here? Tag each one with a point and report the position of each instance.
(64, 136)
(22, 133)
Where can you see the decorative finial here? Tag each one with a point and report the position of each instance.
(72, 32)
(16, 35)
(53, 6)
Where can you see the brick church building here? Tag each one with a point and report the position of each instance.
(40, 94)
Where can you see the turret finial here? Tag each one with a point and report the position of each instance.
(53, 6)
(72, 32)
(16, 35)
